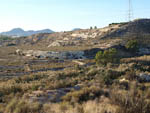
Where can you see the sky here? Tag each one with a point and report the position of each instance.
(64, 15)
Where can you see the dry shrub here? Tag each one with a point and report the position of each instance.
(88, 93)
(7, 89)
(131, 75)
(87, 107)
(63, 107)
(123, 67)
(22, 106)
(131, 101)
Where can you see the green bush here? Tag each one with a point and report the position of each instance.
(109, 76)
(108, 56)
(35, 87)
(5, 38)
(132, 45)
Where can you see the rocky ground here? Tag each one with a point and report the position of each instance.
(57, 73)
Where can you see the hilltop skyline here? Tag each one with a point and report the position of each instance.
(65, 15)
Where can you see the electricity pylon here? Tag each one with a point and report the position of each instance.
(130, 11)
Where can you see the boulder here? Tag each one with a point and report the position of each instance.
(143, 77)
(144, 51)
(19, 52)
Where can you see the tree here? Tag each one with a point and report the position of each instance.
(132, 45)
(107, 56)
(95, 27)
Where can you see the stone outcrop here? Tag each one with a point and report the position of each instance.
(52, 54)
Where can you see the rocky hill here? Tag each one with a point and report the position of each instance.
(95, 38)
(136, 28)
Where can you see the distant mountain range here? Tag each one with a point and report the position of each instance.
(20, 32)
(75, 29)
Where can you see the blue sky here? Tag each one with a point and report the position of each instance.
(60, 15)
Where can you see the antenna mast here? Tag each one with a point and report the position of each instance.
(130, 11)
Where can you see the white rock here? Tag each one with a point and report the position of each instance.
(55, 55)
(54, 44)
(123, 80)
(144, 77)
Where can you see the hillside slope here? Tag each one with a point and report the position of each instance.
(136, 27)
(113, 34)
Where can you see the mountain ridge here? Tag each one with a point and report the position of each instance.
(18, 32)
